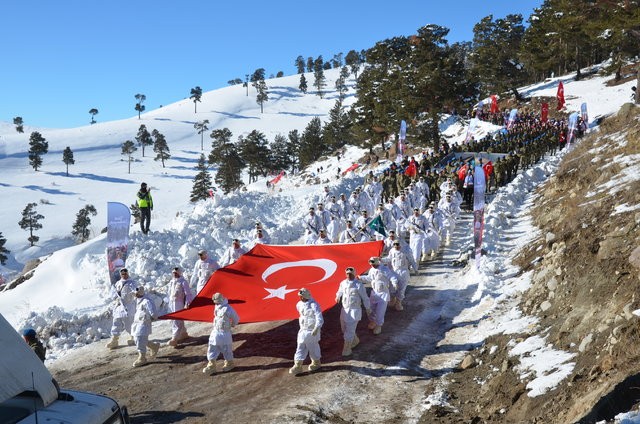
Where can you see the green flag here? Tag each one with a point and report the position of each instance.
(377, 225)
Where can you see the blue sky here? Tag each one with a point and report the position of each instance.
(63, 58)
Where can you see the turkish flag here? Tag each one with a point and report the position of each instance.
(488, 169)
(263, 284)
(494, 104)
(351, 168)
(544, 114)
(462, 172)
(277, 179)
(560, 95)
(411, 170)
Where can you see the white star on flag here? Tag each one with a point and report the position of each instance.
(280, 292)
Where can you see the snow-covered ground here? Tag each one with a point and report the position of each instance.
(69, 293)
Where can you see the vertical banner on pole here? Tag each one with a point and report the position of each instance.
(401, 139)
(512, 118)
(585, 115)
(118, 222)
(479, 186)
(573, 125)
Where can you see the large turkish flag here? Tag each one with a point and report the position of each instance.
(263, 284)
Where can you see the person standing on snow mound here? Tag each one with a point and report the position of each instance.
(141, 328)
(145, 203)
(308, 340)
(352, 295)
(202, 270)
(124, 309)
(221, 340)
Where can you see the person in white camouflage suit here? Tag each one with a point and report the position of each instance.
(180, 296)
(382, 281)
(352, 295)
(308, 340)
(221, 339)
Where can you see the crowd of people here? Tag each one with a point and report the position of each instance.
(412, 206)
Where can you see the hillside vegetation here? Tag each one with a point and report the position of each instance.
(586, 276)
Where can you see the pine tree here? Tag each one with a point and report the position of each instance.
(263, 94)
(229, 175)
(336, 62)
(303, 84)
(143, 137)
(128, 148)
(38, 147)
(201, 182)
(311, 144)
(255, 153)
(31, 221)
(309, 64)
(80, 229)
(279, 74)
(93, 112)
(336, 131)
(341, 83)
(17, 121)
(201, 127)
(67, 158)
(258, 74)
(293, 139)
(300, 64)
(220, 140)
(196, 96)
(495, 58)
(281, 153)
(320, 81)
(160, 147)
(140, 107)
(352, 60)
(3, 250)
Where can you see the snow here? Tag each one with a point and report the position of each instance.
(69, 292)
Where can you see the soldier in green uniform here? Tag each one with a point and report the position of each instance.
(30, 337)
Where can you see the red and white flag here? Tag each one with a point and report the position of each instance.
(544, 112)
(351, 168)
(494, 103)
(560, 95)
(263, 284)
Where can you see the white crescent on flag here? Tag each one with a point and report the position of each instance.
(329, 268)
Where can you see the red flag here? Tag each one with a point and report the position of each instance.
(462, 172)
(560, 95)
(278, 178)
(488, 170)
(544, 114)
(263, 284)
(494, 104)
(351, 168)
(411, 170)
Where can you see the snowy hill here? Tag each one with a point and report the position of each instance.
(100, 175)
(69, 294)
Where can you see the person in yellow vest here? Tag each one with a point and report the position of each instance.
(145, 203)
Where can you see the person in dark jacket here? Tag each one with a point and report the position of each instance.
(31, 338)
(145, 203)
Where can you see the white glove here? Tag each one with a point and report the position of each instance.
(315, 331)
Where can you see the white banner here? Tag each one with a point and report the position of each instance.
(118, 222)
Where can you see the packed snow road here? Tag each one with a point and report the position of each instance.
(384, 381)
